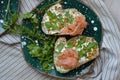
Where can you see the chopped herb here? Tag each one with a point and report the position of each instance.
(69, 17)
(87, 49)
(58, 21)
(51, 15)
(70, 44)
(81, 41)
(52, 26)
(55, 27)
(82, 53)
(92, 45)
(48, 24)
(60, 47)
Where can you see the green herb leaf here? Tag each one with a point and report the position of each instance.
(82, 53)
(44, 53)
(34, 19)
(51, 15)
(70, 44)
(81, 41)
(27, 15)
(14, 18)
(48, 24)
(34, 50)
(69, 17)
(92, 45)
(60, 47)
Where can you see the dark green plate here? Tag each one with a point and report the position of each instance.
(3, 9)
(94, 29)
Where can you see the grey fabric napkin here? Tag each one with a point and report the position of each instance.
(14, 67)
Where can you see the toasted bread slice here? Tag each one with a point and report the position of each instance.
(84, 48)
(59, 21)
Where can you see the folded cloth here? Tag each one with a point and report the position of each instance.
(14, 67)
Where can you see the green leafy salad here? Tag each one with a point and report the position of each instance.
(44, 51)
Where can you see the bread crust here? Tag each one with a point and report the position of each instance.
(60, 11)
(64, 41)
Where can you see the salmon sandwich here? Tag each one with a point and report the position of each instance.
(59, 21)
(75, 52)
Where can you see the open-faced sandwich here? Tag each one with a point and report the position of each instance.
(63, 21)
(75, 52)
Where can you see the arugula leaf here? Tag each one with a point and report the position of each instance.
(9, 24)
(34, 19)
(27, 15)
(34, 50)
(14, 18)
(44, 53)
(46, 66)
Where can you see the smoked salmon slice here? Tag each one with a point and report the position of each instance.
(68, 59)
(75, 28)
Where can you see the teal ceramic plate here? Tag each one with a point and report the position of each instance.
(94, 29)
(13, 8)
